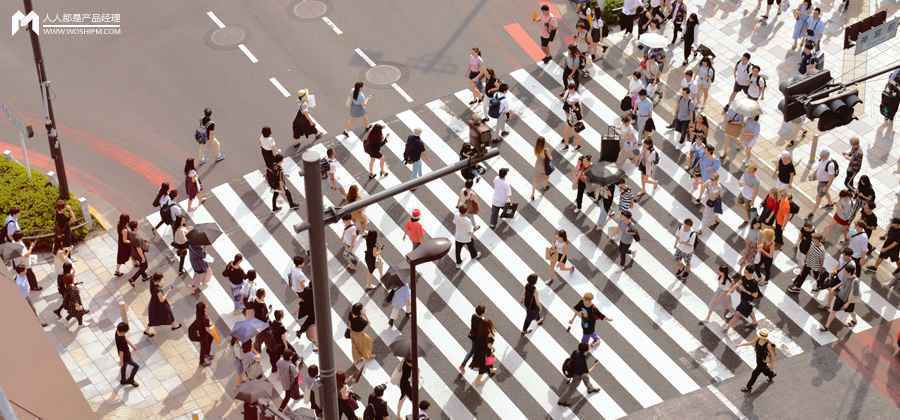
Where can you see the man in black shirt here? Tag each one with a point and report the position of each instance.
(412, 153)
(785, 170)
(124, 347)
(765, 358)
(209, 125)
(306, 310)
(275, 178)
(891, 248)
(589, 315)
(580, 373)
(377, 405)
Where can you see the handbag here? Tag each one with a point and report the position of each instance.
(579, 126)
(625, 103)
(548, 167)
(347, 333)
(509, 211)
(489, 361)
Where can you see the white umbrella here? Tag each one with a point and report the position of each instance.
(745, 106)
(653, 40)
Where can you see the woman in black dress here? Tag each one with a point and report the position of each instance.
(484, 336)
(373, 252)
(159, 310)
(690, 32)
(405, 383)
(372, 146)
(303, 123)
(62, 287)
(203, 326)
(123, 247)
(72, 299)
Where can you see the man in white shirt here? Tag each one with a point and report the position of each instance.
(503, 117)
(267, 147)
(11, 224)
(644, 109)
(826, 172)
(685, 237)
(463, 235)
(859, 244)
(756, 88)
(296, 277)
(348, 240)
(24, 261)
(629, 10)
(690, 82)
(741, 76)
(502, 192)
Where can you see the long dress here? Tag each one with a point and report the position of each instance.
(123, 250)
(302, 126)
(192, 184)
(159, 312)
(360, 342)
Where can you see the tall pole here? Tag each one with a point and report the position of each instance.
(321, 283)
(49, 119)
(414, 343)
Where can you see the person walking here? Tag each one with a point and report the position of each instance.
(405, 383)
(741, 77)
(201, 330)
(63, 264)
(306, 309)
(815, 28)
(474, 325)
(647, 166)
(490, 86)
(644, 113)
(64, 218)
(304, 125)
(580, 179)
(844, 213)
(180, 242)
(372, 145)
(463, 232)
(855, 158)
(572, 107)
(589, 314)
(358, 103)
(192, 185)
(542, 167)
(475, 74)
(413, 151)
(498, 108)
(376, 405)
(502, 193)
(801, 18)
(236, 276)
(361, 342)
(558, 254)
(10, 225)
(348, 401)
(579, 360)
(766, 255)
(572, 64)
(684, 109)
(373, 259)
(413, 229)
(124, 347)
(358, 216)
(751, 243)
(288, 370)
(706, 75)
(685, 241)
(748, 288)
(765, 358)
(483, 352)
(206, 138)
(690, 34)
(277, 343)
(159, 311)
(756, 90)
(813, 263)
(826, 172)
(627, 232)
(629, 149)
(400, 302)
(468, 199)
(532, 302)
(72, 302)
(749, 183)
(348, 242)
(804, 243)
(859, 244)
(25, 259)
(276, 178)
(139, 249)
(712, 203)
(123, 246)
(267, 147)
(549, 25)
(721, 299)
(202, 272)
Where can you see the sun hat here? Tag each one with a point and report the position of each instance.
(416, 213)
(763, 333)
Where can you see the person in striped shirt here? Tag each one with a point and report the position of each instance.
(815, 260)
(626, 197)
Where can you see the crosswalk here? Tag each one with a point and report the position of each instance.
(654, 348)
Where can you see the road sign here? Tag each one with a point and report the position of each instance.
(852, 32)
(876, 35)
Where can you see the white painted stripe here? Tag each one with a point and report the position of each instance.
(279, 86)
(655, 312)
(713, 242)
(491, 391)
(332, 25)
(318, 126)
(401, 92)
(622, 324)
(726, 402)
(215, 19)
(365, 57)
(247, 52)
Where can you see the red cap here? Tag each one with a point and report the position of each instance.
(416, 213)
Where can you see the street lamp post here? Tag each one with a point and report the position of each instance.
(427, 251)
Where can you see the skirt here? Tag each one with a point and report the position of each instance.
(190, 188)
(160, 313)
(745, 308)
(302, 127)
(357, 111)
(123, 254)
(361, 345)
(721, 301)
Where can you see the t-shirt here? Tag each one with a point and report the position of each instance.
(625, 236)
(530, 302)
(12, 225)
(122, 346)
(358, 323)
(502, 192)
(752, 288)
(825, 170)
(893, 235)
(742, 73)
(415, 231)
(785, 171)
(463, 229)
(859, 243)
(685, 240)
(349, 234)
(588, 323)
(757, 86)
(549, 23)
(267, 143)
(381, 407)
(297, 279)
(749, 183)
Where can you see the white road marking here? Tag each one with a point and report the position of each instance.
(215, 19)
(401, 92)
(279, 86)
(248, 53)
(332, 25)
(365, 57)
(715, 391)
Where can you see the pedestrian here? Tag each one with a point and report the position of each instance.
(348, 242)
(139, 249)
(855, 158)
(647, 166)
(358, 216)
(360, 341)
(304, 125)
(25, 260)
(542, 167)
(305, 309)
(404, 373)
(813, 263)
(372, 145)
(765, 357)
(756, 90)
(267, 147)
(864, 190)
(162, 200)
(206, 136)
(690, 34)
(124, 347)
(72, 302)
(766, 255)
(502, 193)
(202, 273)
(712, 203)
(236, 276)
(751, 243)
(330, 169)
(749, 183)
(169, 211)
(635, 84)
(469, 199)
(463, 232)
(598, 31)
(698, 131)
(844, 213)
(123, 246)
(277, 343)
(741, 77)
(572, 64)
(159, 310)
(257, 302)
(549, 24)
(373, 259)
(288, 370)
(64, 218)
(783, 215)
(574, 124)
(826, 172)
(859, 243)
(785, 172)
(890, 249)
(580, 179)
(400, 302)
(748, 289)
(708, 165)
(721, 299)
(580, 373)
(357, 102)
(498, 108)
(413, 151)
(482, 352)
(801, 16)
(644, 113)
(558, 255)
(413, 229)
(734, 126)
(629, 148)
(202, 329)
(604, 195)
(810, 61)
(815, 28)
(276, 178)
(490, 86)
(63, 265)
(532, 303)
(192, 185)
(685, 242)
(706, 75)
(180, 242)
(474, 325)
(589, 314)
(348, 401)
(376, 406)
(684, 109)
(10, 225)
(474, 75)
(749, 136)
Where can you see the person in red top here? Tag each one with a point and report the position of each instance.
(413, 229)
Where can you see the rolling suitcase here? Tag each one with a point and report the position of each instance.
(609, 146)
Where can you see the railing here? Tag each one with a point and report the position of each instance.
(6, 408)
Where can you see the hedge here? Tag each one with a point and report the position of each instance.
(36, 199)
(611, 12)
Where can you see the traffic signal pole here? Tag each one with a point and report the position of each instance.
(49, 119)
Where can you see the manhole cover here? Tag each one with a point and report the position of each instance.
(310, 9)
(383, 74)
(229, 36)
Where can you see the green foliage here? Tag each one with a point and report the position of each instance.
(36, 199)
(611, 11)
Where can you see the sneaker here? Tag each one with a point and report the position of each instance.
(546, 59)
(870, 268)
(792, 289)
(563, 403)
(746, 390)
(593, 390)
(220, 158)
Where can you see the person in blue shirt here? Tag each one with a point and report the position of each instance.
(815, 27)
(709, 164)
(25, 290)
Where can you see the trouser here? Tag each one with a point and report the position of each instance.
(764, 267)
(470, 246)
(848, 181)
(572, 74)
(142, 270)
(580, 194)
(287, 195)
(397, 311)
(572, 387)
(804, 272)
(533, 314)
(688, 47)
(268, 157)
(32, 279)
(308, 322)
(205, 347)
(468, 355)
(858, 263)
(760, 368)
(501, 123)
(124, 368)
(495, 214)
(211, 143)
(417, 169)
(623, 252)
(675, 30)
(181, 262)
(627, 23)
(237, 296)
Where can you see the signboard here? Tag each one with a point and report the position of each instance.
(876, 35)
(852, 32)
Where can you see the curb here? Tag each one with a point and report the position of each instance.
(101, 220)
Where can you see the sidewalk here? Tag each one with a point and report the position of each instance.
(171, 385)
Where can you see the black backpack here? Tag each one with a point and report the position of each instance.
(194, 331)
(568, 366)
(324, 167)
(837, 169)
(369, 412)
(494, 106)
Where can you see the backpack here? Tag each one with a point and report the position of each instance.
(369, 413)
(837, 169)
(194, 331)
(494, 106)
(3, 234)
(567, 366)
(201, 135)
(324, 167)
(655, 157)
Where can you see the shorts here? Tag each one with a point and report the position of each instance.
(473, 74)
(892, 255)
(545, 42)
(840, 221)
(740, 88)
(561, 258)
(684, 257)
(596, 35)
(585, 337)
(839, 304)
(821, 189)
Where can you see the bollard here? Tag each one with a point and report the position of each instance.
(9, 156)
(53, 178)
(85, 211)
(123, 311)
(812, 148)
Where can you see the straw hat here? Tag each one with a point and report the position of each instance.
(302, 93)
(762, 334)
